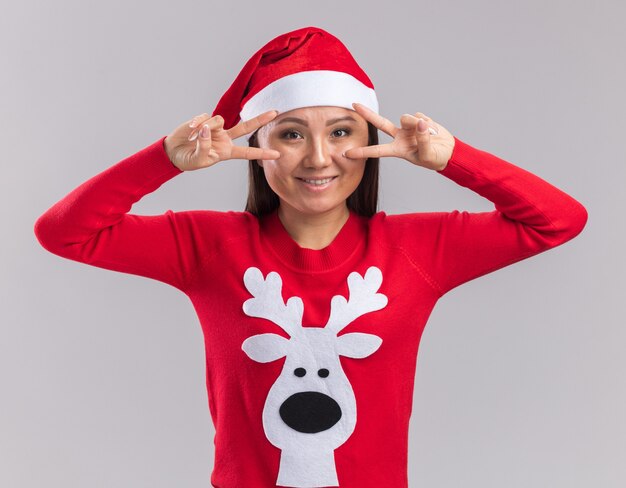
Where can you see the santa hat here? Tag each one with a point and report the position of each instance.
(303, 68)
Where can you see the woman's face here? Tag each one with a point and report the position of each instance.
(311, 141)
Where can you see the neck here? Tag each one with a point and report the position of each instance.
(313, 231)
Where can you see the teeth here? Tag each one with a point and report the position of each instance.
(317, 182)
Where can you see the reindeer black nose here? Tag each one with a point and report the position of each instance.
(310, 412)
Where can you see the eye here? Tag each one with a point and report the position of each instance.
(347, 131)
(299, 372)
(285, 134)
(323, 373)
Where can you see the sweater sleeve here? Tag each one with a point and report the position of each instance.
(530, 216)
(92, 225)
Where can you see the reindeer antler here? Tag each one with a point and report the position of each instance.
(363, 299)
(268, 301)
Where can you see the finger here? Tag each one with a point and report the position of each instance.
(195, 121)
(410, 122)
(194, 124)
(204, 142)
(214, 123)
(379, 151)
(377, 120)
(422, 125)
(432, 126)
(240, 152)
(251, 125)
(423, 136)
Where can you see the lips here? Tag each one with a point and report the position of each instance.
(318, 180)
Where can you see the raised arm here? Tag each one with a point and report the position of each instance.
(92, 224)
(451, 248)
(531, 216)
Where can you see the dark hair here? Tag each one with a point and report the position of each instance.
(364, 200)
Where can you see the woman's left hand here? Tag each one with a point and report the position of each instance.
(413, 140)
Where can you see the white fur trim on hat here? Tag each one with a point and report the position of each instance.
(310, 89)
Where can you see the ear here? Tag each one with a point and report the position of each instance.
(357, 344)
(265, 348)
(259, 162)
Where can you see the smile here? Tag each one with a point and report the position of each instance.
(317, 181)
(317, 184)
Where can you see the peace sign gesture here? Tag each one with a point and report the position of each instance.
(419, 140)
(202, 141)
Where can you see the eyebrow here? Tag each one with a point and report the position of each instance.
(305, 123)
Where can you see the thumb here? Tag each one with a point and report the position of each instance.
(422, 126)
(422, 133)
(418, 127)
(204, 140)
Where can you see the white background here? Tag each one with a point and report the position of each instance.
(520, 378)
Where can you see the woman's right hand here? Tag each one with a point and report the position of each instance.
(202, 141)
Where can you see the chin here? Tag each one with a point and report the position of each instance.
(319, 210)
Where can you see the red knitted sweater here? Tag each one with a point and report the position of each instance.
(310, 354)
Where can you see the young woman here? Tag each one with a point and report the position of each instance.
(311, 301)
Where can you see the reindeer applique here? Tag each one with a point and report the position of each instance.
(310, 409)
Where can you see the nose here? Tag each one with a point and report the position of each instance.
(310, 412)
(318, 155)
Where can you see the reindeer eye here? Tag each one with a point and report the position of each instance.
(323, 372)
(299, 372)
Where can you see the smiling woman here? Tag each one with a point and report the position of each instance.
(313, 178)
(275, 286)
(293, 137)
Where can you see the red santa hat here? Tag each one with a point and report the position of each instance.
(306, 67)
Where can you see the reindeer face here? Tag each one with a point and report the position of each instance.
(311, 408)
(310, 375)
